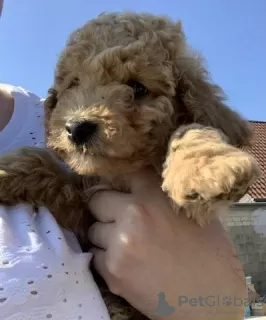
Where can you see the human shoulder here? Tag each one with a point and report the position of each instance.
(6, 107)
(5, 96)
(15, 90)
(26, 126)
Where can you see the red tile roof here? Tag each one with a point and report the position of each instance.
(258, 150)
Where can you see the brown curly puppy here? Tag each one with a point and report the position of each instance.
(128, 93)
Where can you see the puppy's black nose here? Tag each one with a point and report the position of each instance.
(80, 131)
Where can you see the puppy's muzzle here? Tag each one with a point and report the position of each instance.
(80, 132)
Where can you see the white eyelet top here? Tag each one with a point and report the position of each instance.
(43, 272)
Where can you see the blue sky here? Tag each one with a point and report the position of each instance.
(231, 34)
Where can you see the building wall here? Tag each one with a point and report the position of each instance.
(246, 225)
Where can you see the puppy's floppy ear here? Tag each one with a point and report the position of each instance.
(201, 101)
(51, 100)
(49, 105)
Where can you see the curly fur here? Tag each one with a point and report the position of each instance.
(182, 127)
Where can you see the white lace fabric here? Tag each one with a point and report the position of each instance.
(43, 272)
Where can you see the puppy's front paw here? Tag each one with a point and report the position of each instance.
(34, 176)
(23, 171)
(206, 177)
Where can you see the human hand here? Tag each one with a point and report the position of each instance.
(144, 251)
(43, 273)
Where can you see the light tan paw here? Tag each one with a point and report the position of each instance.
(206, 178)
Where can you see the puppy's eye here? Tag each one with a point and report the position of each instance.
(139, 89)
(73, 83)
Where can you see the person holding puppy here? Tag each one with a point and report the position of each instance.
(162, 264)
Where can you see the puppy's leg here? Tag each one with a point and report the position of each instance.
(204, 174)
(34, 176)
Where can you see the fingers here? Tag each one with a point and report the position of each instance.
(100, 234)
(106, 266)
(106, 206)
(99, 261)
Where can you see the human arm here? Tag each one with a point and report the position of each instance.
(6, 107)
(146, 252)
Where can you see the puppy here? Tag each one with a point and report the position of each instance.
(128, 93)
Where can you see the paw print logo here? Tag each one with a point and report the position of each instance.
(227, 301)
(163, 308)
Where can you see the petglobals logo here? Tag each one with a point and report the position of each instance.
(164, 309)
(212, 301)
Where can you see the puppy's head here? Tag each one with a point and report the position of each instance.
(122, 85)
